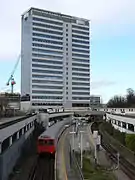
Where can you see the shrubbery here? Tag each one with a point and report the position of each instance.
(130, 141)
(127, 140)
(120, 136)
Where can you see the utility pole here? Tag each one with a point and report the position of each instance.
(82, 148)
(73, 138)
(95, 143)
(81, 153)
(0, 147)
(95, 137)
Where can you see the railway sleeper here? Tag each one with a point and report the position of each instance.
(127, 167)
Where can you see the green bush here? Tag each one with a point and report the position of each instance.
(130, 141)
(120, 136)
(108, 127)
(92, 173)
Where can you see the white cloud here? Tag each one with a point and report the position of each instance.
(102, 83)
(102, 88)
(99, 11)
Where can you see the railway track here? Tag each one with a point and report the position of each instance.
(127, 168)
(43, 169)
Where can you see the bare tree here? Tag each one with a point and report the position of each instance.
(130, 97)
(123, 102)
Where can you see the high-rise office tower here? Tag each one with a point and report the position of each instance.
(55, 62)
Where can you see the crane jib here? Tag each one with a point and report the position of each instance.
(12, 74)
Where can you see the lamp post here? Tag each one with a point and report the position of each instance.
(0, 147)
(82, 148)
(95, 148)
(73, 138)
(96, 138)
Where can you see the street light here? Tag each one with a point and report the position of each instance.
(96, 138)
(73, 140)
(81, 149)
(95, 152)
(0, 147)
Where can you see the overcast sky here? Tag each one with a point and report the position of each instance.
(112, 40)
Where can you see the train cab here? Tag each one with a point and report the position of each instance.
(46, 145)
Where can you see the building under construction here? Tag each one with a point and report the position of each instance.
(9, 104)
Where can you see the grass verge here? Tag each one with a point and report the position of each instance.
(91, 172)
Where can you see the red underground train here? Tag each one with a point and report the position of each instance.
(47, 141)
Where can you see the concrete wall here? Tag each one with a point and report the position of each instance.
(25, 106)
(118, 110)
(123, 129)
(10, 130)
(9, 157)
(121, 118)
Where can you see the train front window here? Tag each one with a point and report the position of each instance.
(46, 142)
(50, 142)
(41, 142)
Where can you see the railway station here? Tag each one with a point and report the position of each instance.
(14, 135)
(55, 128)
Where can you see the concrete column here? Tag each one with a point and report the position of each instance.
(126, 125)
(0, 147)
(10, 140)
(121, 125)
(22, 131)
(134, 128)
(17, 135)
(26, 128)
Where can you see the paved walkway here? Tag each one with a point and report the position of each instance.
(63, 168)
